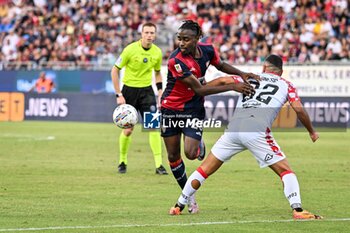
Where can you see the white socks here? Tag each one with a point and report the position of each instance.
(291, 188)
(188, 190)
(289, 179)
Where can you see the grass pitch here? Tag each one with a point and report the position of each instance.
(62, 177)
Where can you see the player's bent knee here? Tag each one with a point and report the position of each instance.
(191, 155)
(191, 152)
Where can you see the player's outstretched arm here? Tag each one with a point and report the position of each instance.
(192, 82)
(229, 69)
(220, 81)
(304, 118)
(224, 80)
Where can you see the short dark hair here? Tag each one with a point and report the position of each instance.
(275, 60)
(149, 24)
(193, 26)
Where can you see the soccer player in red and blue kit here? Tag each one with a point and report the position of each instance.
(250, 129)
(183, 99)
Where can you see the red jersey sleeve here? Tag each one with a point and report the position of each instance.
(292, 93)
(216, 58)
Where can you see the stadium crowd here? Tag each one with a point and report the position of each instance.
(244, 31)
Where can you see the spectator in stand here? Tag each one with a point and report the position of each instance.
(344, 55)
(8, 50)
(335, 46)
(303, 55)
(306, 37)
(39, 24)
(62, 38)
(315, 55)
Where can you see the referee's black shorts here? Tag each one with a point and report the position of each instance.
(142, 98)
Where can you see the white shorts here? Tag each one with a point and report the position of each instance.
(261, 144)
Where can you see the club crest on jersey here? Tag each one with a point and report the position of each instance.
(145, 60)
(178, 68)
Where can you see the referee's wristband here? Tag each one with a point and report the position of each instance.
(159, 86)
(118, 95)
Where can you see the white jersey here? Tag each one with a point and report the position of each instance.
(250, 126)
(271, 93)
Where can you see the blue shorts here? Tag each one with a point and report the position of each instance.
(175, 122)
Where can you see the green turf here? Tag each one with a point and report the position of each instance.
(72, 181)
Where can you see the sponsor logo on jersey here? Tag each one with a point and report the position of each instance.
(145, 60)
(251, 104)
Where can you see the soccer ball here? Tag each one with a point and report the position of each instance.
(125, 116)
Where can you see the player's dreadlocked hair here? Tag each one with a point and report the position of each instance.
(191, 25)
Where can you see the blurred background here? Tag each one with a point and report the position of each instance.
(72, 34)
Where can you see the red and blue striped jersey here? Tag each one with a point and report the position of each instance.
(177, 95)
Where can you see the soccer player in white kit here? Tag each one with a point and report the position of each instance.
(250, 128)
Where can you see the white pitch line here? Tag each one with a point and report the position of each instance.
(170, 224)
(28, 137)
